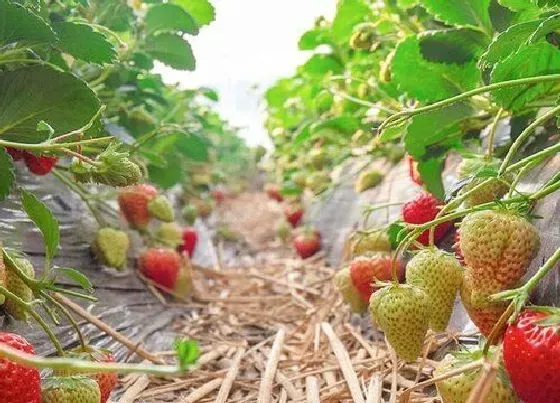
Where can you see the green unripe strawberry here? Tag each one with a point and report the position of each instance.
(189, 213)
(318, 182)
(283, 230)
(498, 245)
(111, 247)
(170, 234)
(2, 274)
(183, 285)
(299, 179)
(16, 286)
(350, 294)
(70, 389)
(367, 180)
(403, 313)
(361, 243)
(440, 275)
(317, 158)
(494, 190)
(161, 209)
(458, 388)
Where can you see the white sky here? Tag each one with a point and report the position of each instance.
(251, 42)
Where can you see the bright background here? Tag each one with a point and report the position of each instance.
(250, 45)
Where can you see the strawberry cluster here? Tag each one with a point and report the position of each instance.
(37, 164)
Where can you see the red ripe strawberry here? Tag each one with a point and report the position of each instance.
(218, 195)
(133, 201)
(18, 384)
(293, 214)
(273, 192)
(421, 210)
(16, 154)
(190, 239)
(457, 248)
(39, 165)
(307, 243)
(107, 381)
(365, 270)
(162, 265)
(532, 356)
(413, 171)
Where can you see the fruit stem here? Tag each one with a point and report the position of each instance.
(514, 149)
(75, 365)
(402, 116)
(496, 329)
(492, 134)
(72, 293)
(29, 309)
(81, 157)
(82, 194)
(68, 316)
(49, 146)
(537, 157)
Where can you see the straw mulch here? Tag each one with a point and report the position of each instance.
(276, 330)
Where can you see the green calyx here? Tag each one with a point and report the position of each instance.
(111, 168)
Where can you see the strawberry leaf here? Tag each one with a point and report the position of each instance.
(6, 174)
(172, 50)
(202, 11)
(187, 351)
(83, 42)
(44, 219)
(77, 277)
(170, 17)
(397, 232)
(465, 13)
(20, 25)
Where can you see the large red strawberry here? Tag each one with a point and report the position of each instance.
(190, 239)
(273, 192)
(16, 153)
(532, 355)
(107, 381)
(162, 265)
(366, 270)
(39, 164)
(422, 210)
(307, 243)
(133, 201)
(18, 384)
(293, 214)
(413, 171)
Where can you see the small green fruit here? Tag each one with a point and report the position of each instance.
(367, 180)
(111, 247)
(161, 209)
(16, 286)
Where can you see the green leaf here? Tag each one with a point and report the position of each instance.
(314, 38)
(187, 351)
(170, 175)
(291, 189)
(396, 232)
(202, 11)
(44, 219)
(459, 45)
(430, 170)
(210, 93)
(348, 14)
(530, 61)
(466, 13)
(21, 25)
(436, 131)
(170, 17)
(84, 43)
(392, 133)
(172, 50)
(427, 81)
(508, 42)
(192, 146)
(319, 65)
(407, 3)
(546, 3)
(77, 277)
(29, 95)
(551, 24)
(7, 176)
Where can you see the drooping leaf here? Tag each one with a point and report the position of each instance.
(19, 24)
(84, 43)
(192, 147)
(508, 42)
(44, 219)
(551, 24)
(466, 13)
(7, 177)
(170, 17)
(172, 50)
(458, 45)
(430, 170)
(428, 81)
(397, 232)
(348, 14)
(77, 277)
(169, 175)
(202, 10)
(36, 93)
(530, 61)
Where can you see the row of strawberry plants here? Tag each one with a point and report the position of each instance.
(80, 101)
(429, 79)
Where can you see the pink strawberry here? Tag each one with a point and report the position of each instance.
(162, 265)
(133, 201)
(422, 210)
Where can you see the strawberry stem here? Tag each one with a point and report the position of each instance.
(69, 364)
(492, 134)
